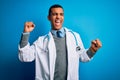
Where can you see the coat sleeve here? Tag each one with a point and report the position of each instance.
(28, 52)
(83, 52)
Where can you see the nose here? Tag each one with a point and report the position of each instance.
(58, 16)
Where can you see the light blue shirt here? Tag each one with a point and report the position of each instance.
(62, 30)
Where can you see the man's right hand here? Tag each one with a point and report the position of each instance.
(29, 26)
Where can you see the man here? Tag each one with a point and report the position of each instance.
(58, 53)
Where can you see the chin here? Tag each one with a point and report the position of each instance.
(57, 27)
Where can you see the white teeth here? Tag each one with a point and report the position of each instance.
(57, 21)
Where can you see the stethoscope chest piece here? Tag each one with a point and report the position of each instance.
(78, 48)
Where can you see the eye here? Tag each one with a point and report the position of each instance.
(54, 14)
(61, 14)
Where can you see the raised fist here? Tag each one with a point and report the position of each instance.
(28, 26)
(95, 45)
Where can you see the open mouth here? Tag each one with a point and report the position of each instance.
(57, 22)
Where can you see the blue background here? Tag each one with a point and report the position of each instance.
(91, 18)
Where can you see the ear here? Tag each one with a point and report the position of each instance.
(48, 18)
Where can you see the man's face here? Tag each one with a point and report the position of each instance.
(56, 18)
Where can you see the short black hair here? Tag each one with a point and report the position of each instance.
(54, 6)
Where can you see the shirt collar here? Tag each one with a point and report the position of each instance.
(55, 34)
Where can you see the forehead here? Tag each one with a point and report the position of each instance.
(57, 10)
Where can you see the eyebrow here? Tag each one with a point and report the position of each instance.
(57, 13)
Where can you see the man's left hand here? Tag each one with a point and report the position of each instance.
(95, 45)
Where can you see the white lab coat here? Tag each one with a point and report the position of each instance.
(43, 51)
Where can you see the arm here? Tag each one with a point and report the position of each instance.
(26, 52)
(87, 54)
(24, 39)
(95, 45)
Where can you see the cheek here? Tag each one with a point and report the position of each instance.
(63, 18)
(53, 19)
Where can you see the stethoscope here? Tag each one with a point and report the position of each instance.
(77, 46)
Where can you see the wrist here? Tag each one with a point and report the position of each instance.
(92, 50)
(25, 31)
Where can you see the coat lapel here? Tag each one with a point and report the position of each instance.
(70, 43)
(52, 55)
